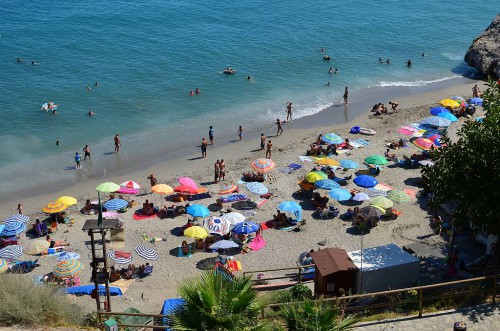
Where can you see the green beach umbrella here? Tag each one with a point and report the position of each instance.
(108, 187)
(376, 159)
(382, 202)
(398, 196)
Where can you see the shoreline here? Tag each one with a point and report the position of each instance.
(316, 121)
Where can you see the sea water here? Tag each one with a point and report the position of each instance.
(148, 55)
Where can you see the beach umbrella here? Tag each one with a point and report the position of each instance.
(262, 165)
(437, 110)
(4, 265)
(373, 192)
(66, 256)
(257, 188)
(196, 232)
(54, 207)
(361, 197)
(245, 227)
(349, 164)
(291, 207)
(116, 204)
(376, 159)
(370, 211)
(476, 101)
(146, 252)
(68, 268)
(327, 162)
(162, 189)
(332, 138)
(449, 103)
(426, 163)
(131, 184)
(340, 194)
(68, 201)
(17, 218)
(398, 196)
(383, 187)
(424, 143)
(198, 211)
(224, 244)
(313, 176)
(11, 252)
(457, 98)
(326, 184)
(448, 116)
(183, 189)
(35, 247)
(234, 217)
(186, 181)
(436, 121)
(13, 228)
(382, 202)
(365, 181)
(119, 259)
(108, 187)
(217, 225)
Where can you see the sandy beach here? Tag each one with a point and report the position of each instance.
(283, 247)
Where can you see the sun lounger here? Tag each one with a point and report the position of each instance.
(232, 198)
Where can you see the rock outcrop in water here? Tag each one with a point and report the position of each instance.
(484, 53)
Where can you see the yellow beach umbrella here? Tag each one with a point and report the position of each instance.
(68, 201)
(327, 162)
(196, 232)
(35, 247)
(54, 207)
(68, 268)
(162, 189)
(382, 202)
(449, 103)
(380, 208)
(108, 187)
(314, 176)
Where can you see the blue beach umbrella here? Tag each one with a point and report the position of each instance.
(361, 197)
(13, 228)
(66, 256)
(436, 110)
(198, 211)
(332, 138)
(436, 121)
(476, 101)
(17, 218)
(257, 188)
(326, 184)
(12, 252)
(448, 116)
(349, 164)
(340, 194)
(245, 228)
(365, 181)
(293, 208)
(116, 204)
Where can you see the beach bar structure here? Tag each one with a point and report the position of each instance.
(334, 272)
(384, 268)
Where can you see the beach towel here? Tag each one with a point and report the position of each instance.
(356, 145)
(110, 214)
(286, 170)
(294, 166)
(233, 198)
(258, 243)
(241, 182)
(123, 284)
(305, 158)
(266, 225)
(123, 255)
(139, 215)
(361, 142)
(260, 202)
(405, 131)
(410, 192)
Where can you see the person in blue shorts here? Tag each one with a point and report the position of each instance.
(211, 135)
(78, 158)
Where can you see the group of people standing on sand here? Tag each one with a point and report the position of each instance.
(219, 170)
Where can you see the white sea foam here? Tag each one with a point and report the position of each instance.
(454, 57)
(414, 83)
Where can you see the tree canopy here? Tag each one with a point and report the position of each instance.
(466, 173)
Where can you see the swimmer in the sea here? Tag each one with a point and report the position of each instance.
(90, 113)
(88, 89)
(380, 60)
(58, 143)
(249, 77)
(423, 54)
(388, 61)
(409, 63)
(34, 62)
(19, 59)
(330, 71)
(191, 92)
(96, 84)
(197, 91)
(336, 70)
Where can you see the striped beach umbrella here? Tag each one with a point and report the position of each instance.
(340, 194)
(198, 211)
(54, 207)
(146, 252)
(68, 201)
(245, 228)
(257, 188)
(457, 98)
(349, 164)
(12, 252)
(119, 259)
(332, 138)
(116, 204)
(4, 265)
(131, 184)
(326, 184)
(382, 202)
(262, 165)
(68, 268)
(13, 228)
(17, 218)
(35, 247)
(66, 256)
(372, 193)
(398, 196)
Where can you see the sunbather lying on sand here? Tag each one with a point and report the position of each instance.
(252, 177)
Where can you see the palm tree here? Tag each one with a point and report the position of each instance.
(216, 301)
(312, 315)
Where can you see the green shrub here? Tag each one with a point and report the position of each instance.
(25, 303)
(301, 291)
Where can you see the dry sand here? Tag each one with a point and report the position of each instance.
(283, 248)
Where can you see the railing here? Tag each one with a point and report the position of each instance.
(422, 297)
(297, 269)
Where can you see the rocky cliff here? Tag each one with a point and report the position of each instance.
(484, 53)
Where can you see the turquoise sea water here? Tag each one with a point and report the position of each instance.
(148, 55)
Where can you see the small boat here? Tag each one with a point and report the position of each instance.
(366, 131)
(229, 71)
